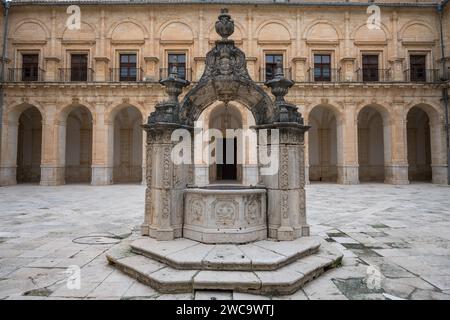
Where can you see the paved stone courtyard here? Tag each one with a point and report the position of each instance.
(395, 239)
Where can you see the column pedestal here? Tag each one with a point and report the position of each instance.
(396, 174)
(8, 176)
(51, 175)
(101, 175)
(439, 174)
(348, 174)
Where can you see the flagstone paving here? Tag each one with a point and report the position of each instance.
(395, 240)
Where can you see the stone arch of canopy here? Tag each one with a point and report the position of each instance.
(245, 92)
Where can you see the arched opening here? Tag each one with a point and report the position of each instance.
(370, 145)
(322, 145)
(29, 143)
(127, 146)
(78, 153)
(226, 168)
(419, 145)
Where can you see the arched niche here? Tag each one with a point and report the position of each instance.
(176, 32)
(417, 32)
(30, 30)
(85, 34)
(127, 31)
(322, 32)
(273, 32)
(365, 35)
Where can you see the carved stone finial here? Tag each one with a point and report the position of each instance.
(225, 25)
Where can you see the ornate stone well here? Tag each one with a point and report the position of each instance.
(178, 206)
(252, 221)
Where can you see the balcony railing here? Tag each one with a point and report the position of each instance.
(183, 73)
(76, 75)
(268, 74)
(25, 74)
(423, 75)
(125, 74)
(330, 75)
(374, 75)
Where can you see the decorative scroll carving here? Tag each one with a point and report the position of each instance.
(284, 204)
(253, 210)
(196, 211)
(166, 167)
(284, 167)
(225, 211)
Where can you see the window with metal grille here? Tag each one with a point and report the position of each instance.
(78, 67)
(177, 60)
(30, 67)
(370, 67)
(322, 67)
(418, 68)
(271, 64)
(128, 67)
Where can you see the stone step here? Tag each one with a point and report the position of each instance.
(285, 280)
(185, 254)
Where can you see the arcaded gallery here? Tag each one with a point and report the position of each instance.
(74, 100)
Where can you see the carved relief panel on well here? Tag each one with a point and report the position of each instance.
(225, 211)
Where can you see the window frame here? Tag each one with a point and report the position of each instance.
(35, 76)
(330, 65)
(177, 53)
(128, 77)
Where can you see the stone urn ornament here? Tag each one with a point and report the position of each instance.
(225, 25)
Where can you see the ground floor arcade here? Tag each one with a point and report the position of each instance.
(93, 135)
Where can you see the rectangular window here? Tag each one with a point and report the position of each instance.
(418, 68)
(78, 67)
(370, 67)
(178, 61)
(271, 64)
(322, 67)
(128, 67)
(30, 67)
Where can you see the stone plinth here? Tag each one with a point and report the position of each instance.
(225, 214)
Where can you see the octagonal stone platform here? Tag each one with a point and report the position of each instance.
(262, 267)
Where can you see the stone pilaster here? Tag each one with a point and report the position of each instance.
(102, 149)
(166, 181)
(286, 208)
(151, 72)
(300, 69)
(348, 69)
(8, 155)
(347, 131)
(396, 164)
(52, 71)
(101, 69)
(53, 149)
